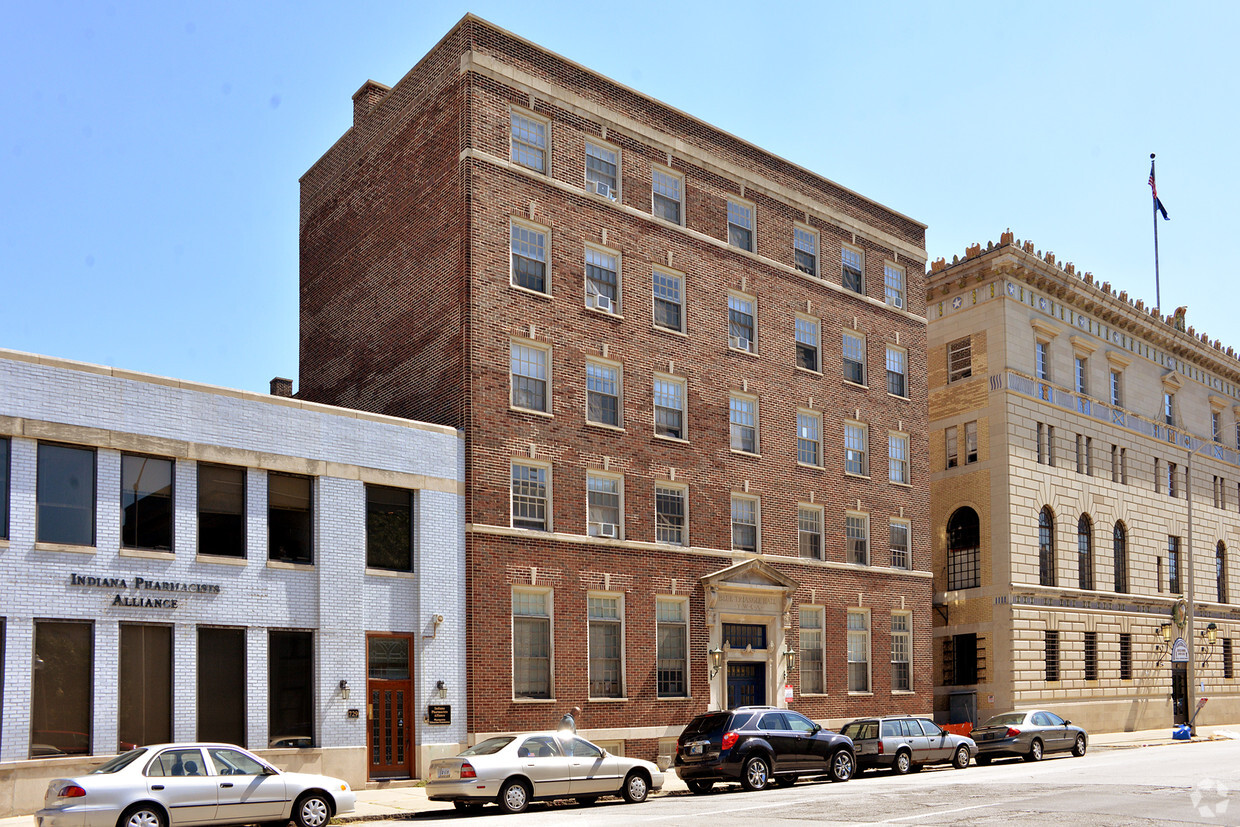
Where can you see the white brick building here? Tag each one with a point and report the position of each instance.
(183, 561)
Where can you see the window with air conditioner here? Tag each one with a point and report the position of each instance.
(602, 169)
(602, 280)
(604, 495)
(742, 326)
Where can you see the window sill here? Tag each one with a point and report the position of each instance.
(674, 697)
(809, 465)
(903, 692)
(65, 547)
(860, 385)
(289, 565)
(739, 452)
(146, 554)
(815, 694)
(530, 292)
(856, 475)
(544, 414)
(609, 314)
(533, 700)
(604, 426)
(608, 700)
(899, 484)
(897, 396)
(751, 353)
(220, 559)
(856, 694)
(3, 543)
(817, 373)
(658, 328)
(674, 439)
(400, 575)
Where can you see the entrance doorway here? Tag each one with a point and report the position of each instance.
(746, 684)
(389, 697)
(1179, 693)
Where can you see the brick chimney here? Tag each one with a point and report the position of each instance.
(365, 100)
(282, 387)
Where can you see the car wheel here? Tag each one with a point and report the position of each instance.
(1035, 751)
(514, 796)
(903, 762)
(636, 787)
(312, 810)
(699, 787)
(982, 760)
(1078, 749)
(843, 765)
(756, 774)
(143, 815)
(961, 759)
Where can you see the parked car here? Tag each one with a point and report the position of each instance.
(904, 743)
(1029, 734)
(200, 783)
(757, 746)
(513, 770)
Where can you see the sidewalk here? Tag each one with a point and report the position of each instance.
(405, 799)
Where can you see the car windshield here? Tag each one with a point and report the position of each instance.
(490, 746)
(121, 761)
(1007, 719)
(705, 723)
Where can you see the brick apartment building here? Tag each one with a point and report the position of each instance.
(1064, 417)
(690, 376)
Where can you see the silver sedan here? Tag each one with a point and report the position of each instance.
(1030, 734)
(182, 785)
(513, 770)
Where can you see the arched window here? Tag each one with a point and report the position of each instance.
(1220, 570)
(1121, 558)
(964, 539)
(1085, 552)
(1046, 547)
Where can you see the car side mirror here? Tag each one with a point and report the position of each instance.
(817, 729)
(1067, 722)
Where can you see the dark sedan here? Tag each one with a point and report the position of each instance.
(1029, 734)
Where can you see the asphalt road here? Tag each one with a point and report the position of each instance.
(1189, 783)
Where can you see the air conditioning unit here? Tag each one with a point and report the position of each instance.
(739, 342)
(607, 529)
(604, 303)
(602, 189)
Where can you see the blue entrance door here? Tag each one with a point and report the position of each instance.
(746, 684)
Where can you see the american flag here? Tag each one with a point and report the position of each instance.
(1154, 189)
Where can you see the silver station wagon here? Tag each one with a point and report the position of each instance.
(904, 743)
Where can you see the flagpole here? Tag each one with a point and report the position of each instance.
(1154, 203)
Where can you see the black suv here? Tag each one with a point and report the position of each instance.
(756, 745)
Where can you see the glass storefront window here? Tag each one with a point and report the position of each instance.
(66, 495)
(62, 689)
(144, 713)
(221, 685)
(290, 679)
(146, 502)
(221, 510)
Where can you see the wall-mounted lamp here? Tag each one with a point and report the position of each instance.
(1209, 637)
(344, 689)
(1164, 631)
(790, 660)
(716, 660)
(442, 688)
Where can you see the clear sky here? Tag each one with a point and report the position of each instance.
(149, 152)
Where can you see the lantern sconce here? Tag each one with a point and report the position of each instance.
(344, 689)
(716, 660)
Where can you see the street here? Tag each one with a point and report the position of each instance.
(1190, 783)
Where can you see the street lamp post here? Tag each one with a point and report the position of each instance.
(1192, 597)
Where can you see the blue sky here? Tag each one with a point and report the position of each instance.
(150, 152)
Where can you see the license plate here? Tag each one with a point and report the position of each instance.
(695, 749)
(444, 772)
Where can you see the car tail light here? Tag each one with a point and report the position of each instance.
(729, 739)
(1012, 732)
(880, 746)
(467, 770)
(71, 791)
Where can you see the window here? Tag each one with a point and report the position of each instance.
(529, 141)
(4, 488)
(743, 412)
(950, 445)
(1082, 375)
(668, 301)
(805, 250)
(1228, 669)
(744, 523)
(1051, 639)
(1169, 407)
(901, 652)
(1117, 389)
(290, 676)
(742, 332)
(1091, 656)
(897, 458)
(1159, 578)
(530, 496)
(1157, 475)
(667, 188)
(959, 359)
(604, 506)
(530, 371)
(389, 528)
(1173, 564)
(1220, 571)
(858, 652)
(1042, 361)
(602, 280)
(62, 688)
(1125, 656)
(603, 394)
(1216, 426)
(897, 372)
(970, 442)
(740, 225)
(893, 285)
(602, 170)
(1046, 547)
(807, 344)
(672, 635)
(960, 660)
(1050, 445)
(1114, 463)
(671, 516)
(606, 630)
(669, 407)
(901, 551)
(809, 438)
(964, 540)
(856, 459)
(809, 531)
(1085, 552)
(1173, 474)
(1123, 466)
(221, 510)
(290, 515)
(531, 644)
(529, 258)
(1080, 454)
(852, 266)
(1120, 548)
(813, 664)
(857, 538)
(221, 685)
(854, 358)
(65, 490)
(144, 700)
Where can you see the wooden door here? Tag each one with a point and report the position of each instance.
(389, 706)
